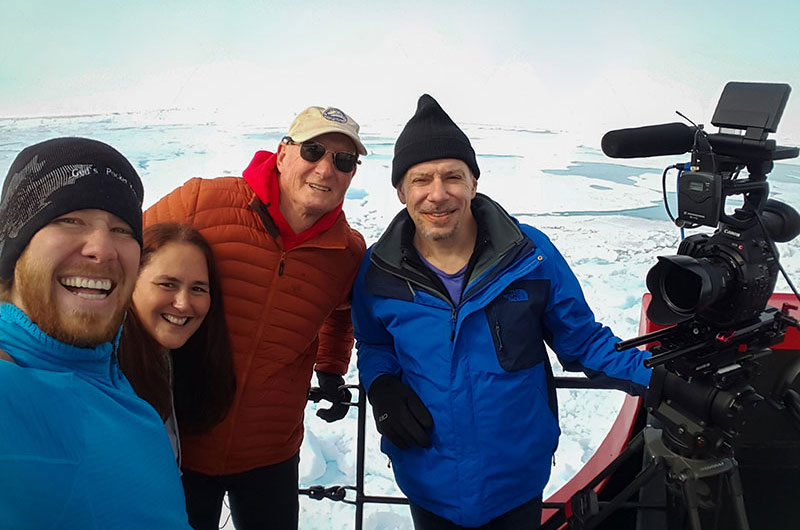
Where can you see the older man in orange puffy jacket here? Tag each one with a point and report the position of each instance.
(287, 258)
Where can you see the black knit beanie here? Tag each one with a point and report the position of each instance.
(59, 176)
(430, 134)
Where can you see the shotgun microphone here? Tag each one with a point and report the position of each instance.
(653, 140)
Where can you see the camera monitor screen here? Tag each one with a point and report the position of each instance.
(755, 107)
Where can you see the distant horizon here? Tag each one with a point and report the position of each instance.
(205, 114)
(576, 66)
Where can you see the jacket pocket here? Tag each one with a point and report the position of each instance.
(515, 322)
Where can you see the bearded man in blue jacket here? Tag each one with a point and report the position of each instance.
(452, 308)
(78, 448)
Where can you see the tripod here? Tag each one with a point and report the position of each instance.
(700, 416)
(684, 477)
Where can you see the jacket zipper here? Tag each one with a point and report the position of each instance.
(411, 282)
(453, 318)
(113, 366)
(453, 312)
(497, 333)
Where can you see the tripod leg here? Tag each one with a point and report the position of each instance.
(737, 496)
(690, 499)
(694, 489)
(565, 515)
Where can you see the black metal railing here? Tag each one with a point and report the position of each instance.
(359, 498)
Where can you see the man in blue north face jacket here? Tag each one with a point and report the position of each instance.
(451, 311)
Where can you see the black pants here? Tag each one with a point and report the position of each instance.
(525, 517)
(260, 499)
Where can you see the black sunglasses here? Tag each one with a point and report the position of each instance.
(312, 151)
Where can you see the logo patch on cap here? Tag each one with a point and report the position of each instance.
(334, 114)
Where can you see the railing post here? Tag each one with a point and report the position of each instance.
(360, 456)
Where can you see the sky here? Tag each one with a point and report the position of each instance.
(582, 66)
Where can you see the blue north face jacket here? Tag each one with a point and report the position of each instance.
(481, 367)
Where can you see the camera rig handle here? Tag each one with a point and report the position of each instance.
(694, 337)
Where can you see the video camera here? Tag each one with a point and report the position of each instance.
(727, 277)
(713, 295)
(716, 289)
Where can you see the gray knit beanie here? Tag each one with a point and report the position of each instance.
(59, 176)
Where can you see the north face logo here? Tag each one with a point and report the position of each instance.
(516, 295)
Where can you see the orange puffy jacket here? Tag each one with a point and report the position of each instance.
(285, 310)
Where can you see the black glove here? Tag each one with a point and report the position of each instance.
(329, 388)
(399, 413)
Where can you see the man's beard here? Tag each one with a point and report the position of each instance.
(84, 329)
(434, 235)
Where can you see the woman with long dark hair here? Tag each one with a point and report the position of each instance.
(174, 348)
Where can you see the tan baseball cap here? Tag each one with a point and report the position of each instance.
(316, 121)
